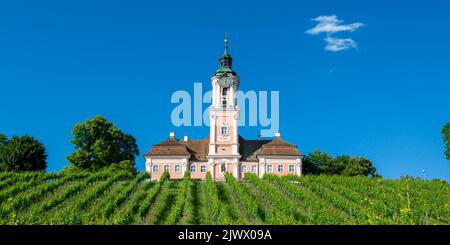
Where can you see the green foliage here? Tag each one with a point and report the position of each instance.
(287, 212)
(99, 143)
(3, 139)
(148, 200)
(321, 163)
(110, 196)
(23, 153)
(446, 138)
(247, 200)
(125, 165)
(214, 205)
(318, 163)
(177, 209)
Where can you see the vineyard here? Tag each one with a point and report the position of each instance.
(117, 197)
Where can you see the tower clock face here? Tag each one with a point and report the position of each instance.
(226, 81)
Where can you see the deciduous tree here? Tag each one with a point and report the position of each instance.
(321, 163)
(23, 153)
(99, 143)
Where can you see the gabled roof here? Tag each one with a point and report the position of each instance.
(198, 149)
(279, 147)
(170, 147)
(250, 150)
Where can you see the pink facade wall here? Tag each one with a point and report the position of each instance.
(224, 144)
(198, 174)
(169, 162)
(248, 169)
(229, 167)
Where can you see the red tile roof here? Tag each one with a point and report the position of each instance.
(249, 149)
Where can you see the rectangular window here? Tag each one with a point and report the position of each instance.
(291, 168)
(269, 168)
(243, 169)
(177, 168)
(280, 168)
(224, 130)
(203, 169)
(155, 168)
(166, 168)
(192, 168)
(254, 168)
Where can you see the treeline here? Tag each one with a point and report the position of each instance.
(321, 163)
(99, 143)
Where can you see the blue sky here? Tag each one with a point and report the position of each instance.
(387, 99)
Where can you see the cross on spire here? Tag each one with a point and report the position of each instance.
(225, 60)
(226, 44)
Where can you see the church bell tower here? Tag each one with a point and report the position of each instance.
(224, 112)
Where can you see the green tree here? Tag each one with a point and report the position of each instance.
(321, 163)
(446, 138)
(317, 163)
(23, 153)
(99, 143)
(359, 166)
(3, 139)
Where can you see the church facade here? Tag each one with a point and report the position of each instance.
(224, 150)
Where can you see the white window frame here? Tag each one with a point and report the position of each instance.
(269, 168)
(224, 131)
(254, 168)
(291, 168)
(243, 168)
(282, 168)
(177, 168)
(192, 168)
(155, 169)
(166, 166)
(202, 169)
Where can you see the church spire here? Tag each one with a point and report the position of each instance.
(225, 52)
(225, 60)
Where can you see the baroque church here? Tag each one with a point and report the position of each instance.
(224, 150)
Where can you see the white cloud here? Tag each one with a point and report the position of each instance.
(331, 24)
(338, 44)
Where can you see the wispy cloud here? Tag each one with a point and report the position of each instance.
(338, 44)
(330, 24)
